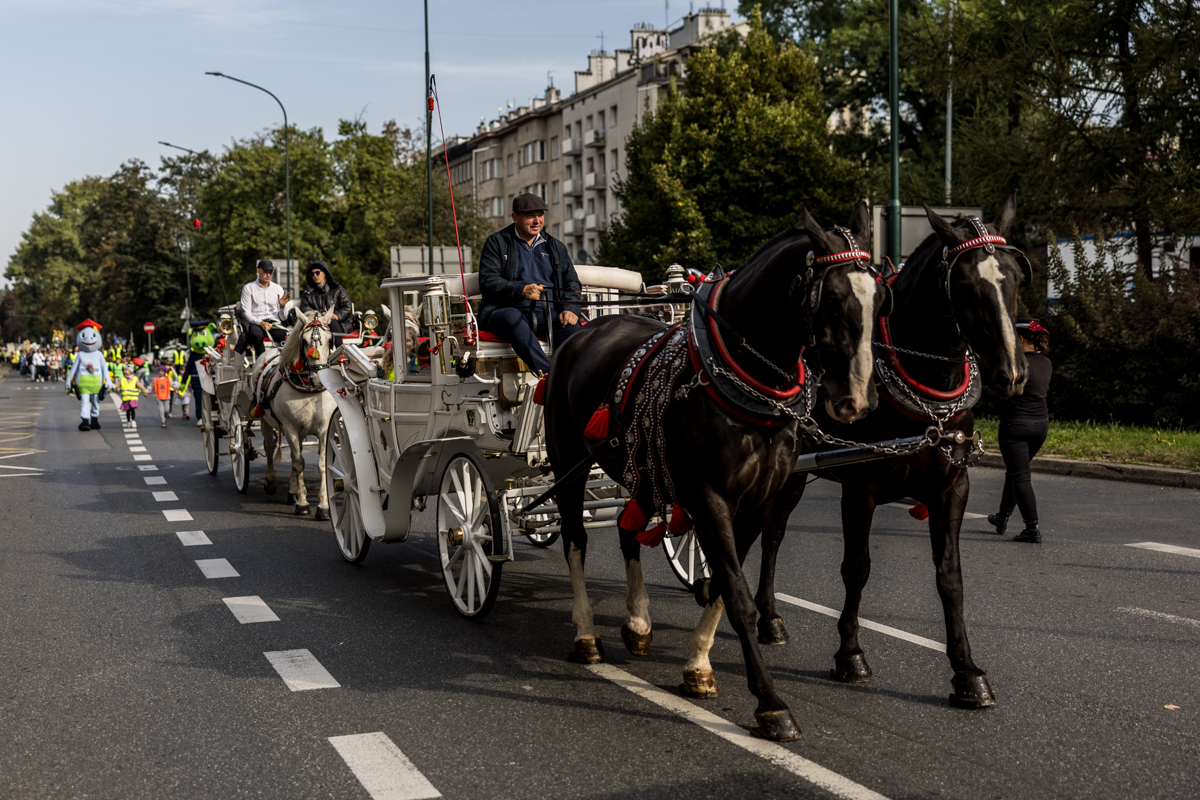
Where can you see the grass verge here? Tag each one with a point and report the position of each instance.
(1111, 442)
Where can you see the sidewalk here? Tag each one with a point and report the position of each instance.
(1130, 473)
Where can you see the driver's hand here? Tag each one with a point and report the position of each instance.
(284, 298)
(533, 291)
(266, 326)
(568, 318)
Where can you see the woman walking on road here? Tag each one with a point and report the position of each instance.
(1024, 423)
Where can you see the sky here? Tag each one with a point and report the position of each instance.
(90, 84)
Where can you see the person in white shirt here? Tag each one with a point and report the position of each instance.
(261, 304)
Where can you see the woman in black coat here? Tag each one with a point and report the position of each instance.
(322, 293)
(1024, 423)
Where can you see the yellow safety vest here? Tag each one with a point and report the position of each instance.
(183, 387)
(179, 362)
(129, 388)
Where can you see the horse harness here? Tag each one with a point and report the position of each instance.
(301, 378)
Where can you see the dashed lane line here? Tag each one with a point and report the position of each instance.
(382, 768)
(163, 497)
(193, 538)
(776, 754)
(301, 671)
(147, 468)
(1159, 615)
(217, 568)
(250, 609)
(142, 457)
(1167, 548)
(155, 480)
(177, 515)
(137, 449)
(865, 623)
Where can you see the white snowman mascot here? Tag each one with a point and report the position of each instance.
(89, 374)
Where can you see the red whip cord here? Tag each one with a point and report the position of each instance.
(453, 212)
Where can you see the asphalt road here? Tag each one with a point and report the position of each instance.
(123, 674)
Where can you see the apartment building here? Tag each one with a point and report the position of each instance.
(571, 151)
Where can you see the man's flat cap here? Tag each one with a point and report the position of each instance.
(528, 203)
(265, 265)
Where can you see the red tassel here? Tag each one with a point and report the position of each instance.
(257, 412)
(597, 427)
(539, 394)
(633, 518)
(919, 511)
(654, 536)
(681, 523)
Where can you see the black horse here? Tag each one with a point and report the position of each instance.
(725, 437)
(956, 295)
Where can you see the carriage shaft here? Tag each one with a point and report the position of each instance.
(873, 451)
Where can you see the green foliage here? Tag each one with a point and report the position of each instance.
(717, 170)
(1100, 441)
(1124, 346)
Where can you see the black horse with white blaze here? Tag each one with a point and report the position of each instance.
(702, 418)
(952, 325)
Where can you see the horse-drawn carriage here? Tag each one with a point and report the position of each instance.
(227, 400)
(459, 419)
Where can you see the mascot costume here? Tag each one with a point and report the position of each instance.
(202, 336)
(89, 374)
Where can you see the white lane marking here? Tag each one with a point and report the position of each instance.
(217, 568)
(147, 468)
(300, 670)
(865, 623)
(177, 515)
(778, 755)
(193, 538)
(134, 441)
(1167, 548)
(973, 515)
(18, 455)
(154, 480)
(1145, 612)
(906, 506)
(142, 457)
(383, 770)
(137, 449)
(23, 469)
(20, 474)
(163, 497)
(250, 609)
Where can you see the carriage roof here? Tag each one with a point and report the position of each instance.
(592, 277)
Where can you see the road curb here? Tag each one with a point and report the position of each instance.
(1129, 473)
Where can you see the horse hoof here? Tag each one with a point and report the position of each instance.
(291, 499)
(772, 631)
(588, 650)
(776, 726)
(699, 683)
(972, 691)
(301, 511)
(322, 514)
(851, 669)
(270, 489)
(637, 644)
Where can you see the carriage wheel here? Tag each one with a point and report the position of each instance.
(341, 485)
(211, 459)
(468, 531)
(239, 445)
(687, 559)
(542, 539)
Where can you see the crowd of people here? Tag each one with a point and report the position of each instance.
(41, 364)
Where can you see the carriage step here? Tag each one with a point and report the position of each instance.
(498, 559)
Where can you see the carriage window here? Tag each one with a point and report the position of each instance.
(414, 365)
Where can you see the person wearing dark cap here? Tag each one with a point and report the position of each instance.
(322, 293)
(524, 274)
(262, 301)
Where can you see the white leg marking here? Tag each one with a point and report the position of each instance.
(581, 611)
(704, 635)
(636, 599)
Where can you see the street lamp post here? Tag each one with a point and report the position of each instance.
(187, 253)
(428, 138)
(287, 171)
(893, 237)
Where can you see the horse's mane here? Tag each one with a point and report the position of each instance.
(290, 353)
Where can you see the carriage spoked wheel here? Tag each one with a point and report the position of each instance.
(341, 485)
(468, 531)
(211, 459)
(239, 446)
(686, 559)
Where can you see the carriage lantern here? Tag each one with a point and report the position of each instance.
(370, 321)
(225, 324)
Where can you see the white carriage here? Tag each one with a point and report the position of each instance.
(227, 401)
(463, 427)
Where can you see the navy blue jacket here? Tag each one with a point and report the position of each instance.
(498, 282)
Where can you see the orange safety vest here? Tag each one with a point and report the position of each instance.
(162, 387)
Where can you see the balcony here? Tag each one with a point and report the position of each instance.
(593, 138)
(572, 228)
(594, 180)
(595, 222)
(572, 187)
(571, 147)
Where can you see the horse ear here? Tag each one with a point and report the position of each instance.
(327, 317)
(943, 229)
(1008, 212)
(302, 317)
(860, 225)
(816, 233)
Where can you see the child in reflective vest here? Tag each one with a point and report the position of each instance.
(185, 396)
(163, 388)
(130, 387)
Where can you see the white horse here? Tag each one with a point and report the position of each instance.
(294, 404)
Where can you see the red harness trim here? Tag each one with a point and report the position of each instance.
(712, 392)
(837, 258)
(777, 394)
(885, 334)
(633, 376)
(978, 241)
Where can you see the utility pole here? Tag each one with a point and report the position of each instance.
(893, 237)
(428, 139)
(949, 99)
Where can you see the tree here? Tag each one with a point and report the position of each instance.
(721, 167)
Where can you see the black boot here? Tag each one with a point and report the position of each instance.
(95, 423)
(1031, 534)
(84, 425)
(999, 521)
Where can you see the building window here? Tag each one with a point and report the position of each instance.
(510, 164)
(497, 207)
(557, 231)
(612, 116)
(589, 122)
(568, 172)
(533, 152)
(554, 195)
(579, 128)
(600, 120)
(615, 163)
(554, 148)
(541, 191)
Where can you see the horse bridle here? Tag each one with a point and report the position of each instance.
(307, 351)
(861, 260)
(989, 243)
